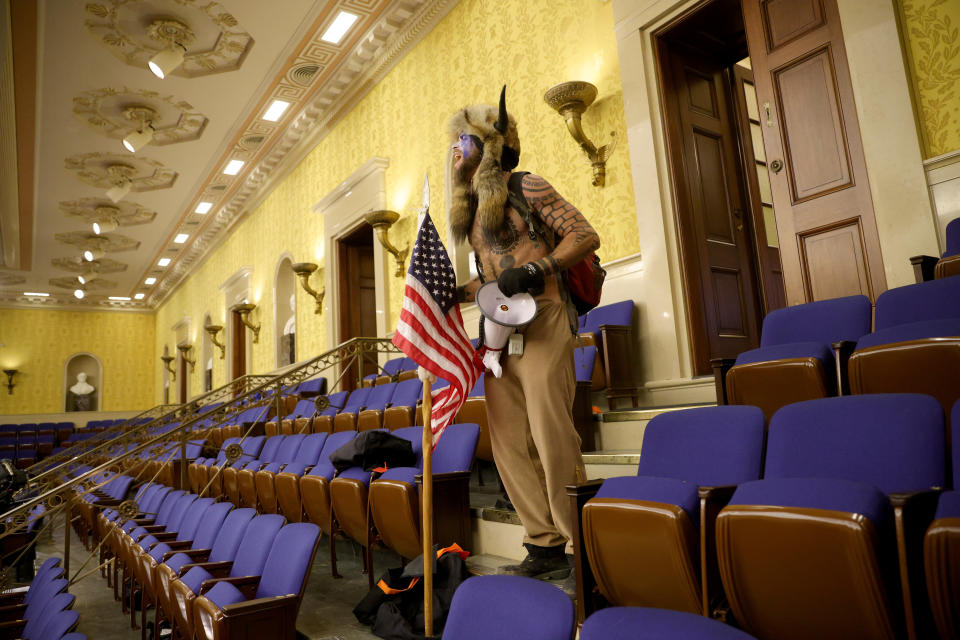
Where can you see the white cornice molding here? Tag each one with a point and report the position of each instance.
(382, 47)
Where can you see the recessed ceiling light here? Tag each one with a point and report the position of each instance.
(276, 110)
(339, 27)
(203, 207)
(36, 295)
(181, 238)
(150, 280)
(163, 262)
(118, 297)
(138, 296)
(233, 167)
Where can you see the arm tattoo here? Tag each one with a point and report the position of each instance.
(564, 219)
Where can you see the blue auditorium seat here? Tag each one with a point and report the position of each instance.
(508, 607)
(643, 534)
(309, 492)
(795, 360)
(941, 547)
(811, 550)
(641, 623)
(223, 610)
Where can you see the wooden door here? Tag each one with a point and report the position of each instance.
(357, 295)
(238, 365)
(712, 210)
(829, 244)
(182, 373)
(759, 198)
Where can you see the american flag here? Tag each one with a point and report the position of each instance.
(430, 330)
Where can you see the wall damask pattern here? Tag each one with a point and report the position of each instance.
(529, 45)
(39, 342)
(931, 29)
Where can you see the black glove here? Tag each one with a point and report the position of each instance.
(528, 278)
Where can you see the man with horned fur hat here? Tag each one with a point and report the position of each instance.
(530, 408)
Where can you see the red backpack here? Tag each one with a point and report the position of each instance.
(584, 280)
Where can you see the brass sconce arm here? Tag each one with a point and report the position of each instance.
(570, 100)
(166, 364)
(381, 221)
(185, 348)
(244, 311)
(10, 383)
(213, 330)
(304, 271)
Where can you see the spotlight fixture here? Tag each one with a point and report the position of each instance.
(105, 226)
(88, 276)
(176, 36)
(79, 293)
(94, 253)
(135, 140)
(121, 175)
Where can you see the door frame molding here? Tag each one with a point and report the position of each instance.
(342, 210)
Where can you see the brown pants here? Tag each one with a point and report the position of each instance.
(530, 412)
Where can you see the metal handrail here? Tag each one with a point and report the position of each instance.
(353, 350)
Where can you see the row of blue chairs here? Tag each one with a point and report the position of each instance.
(44, 611)
(815, 527)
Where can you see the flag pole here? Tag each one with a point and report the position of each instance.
(427, 511)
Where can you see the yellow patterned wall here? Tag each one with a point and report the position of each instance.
(39, 342)
(529, 45)
(931, 29)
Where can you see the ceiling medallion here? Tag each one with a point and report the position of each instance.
(70, 282)
(212, 39)
(78, 265)
(90, 210)
(10, 279)
(108, 242)
(104, 170)
(115, 112)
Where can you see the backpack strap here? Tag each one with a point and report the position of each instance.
(519, 202)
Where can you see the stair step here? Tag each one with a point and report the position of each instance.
(623, 430)
(645, 413)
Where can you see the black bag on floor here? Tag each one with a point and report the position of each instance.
(373, 449)
(394, 607)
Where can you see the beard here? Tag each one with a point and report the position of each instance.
(463, 206)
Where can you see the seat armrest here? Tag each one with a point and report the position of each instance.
(251, 606)
(193, 554)
(720, 368)
(243, 583)
(12, 629)
(211, 567)
(107, 503)
(842, 350)
(712, 500)
(144, 522)
(178, 545)
(586, 581)
(166, 536)
(913, 512)
(923, 267)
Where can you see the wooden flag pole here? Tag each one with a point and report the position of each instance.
(426, 499)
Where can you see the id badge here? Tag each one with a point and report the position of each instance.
(515, 345)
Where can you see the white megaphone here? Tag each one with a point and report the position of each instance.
(503, 315)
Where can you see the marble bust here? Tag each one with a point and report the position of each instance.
(80, 397)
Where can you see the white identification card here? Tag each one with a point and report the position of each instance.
(515, 346)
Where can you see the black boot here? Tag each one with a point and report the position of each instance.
(543, 563)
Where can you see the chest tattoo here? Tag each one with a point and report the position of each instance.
(504, 240)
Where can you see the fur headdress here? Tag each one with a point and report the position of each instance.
(497, 130)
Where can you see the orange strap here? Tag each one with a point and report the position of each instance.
(390, 591)
(454, 548)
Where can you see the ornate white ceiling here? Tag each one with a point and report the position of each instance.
(93, 89)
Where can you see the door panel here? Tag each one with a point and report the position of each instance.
(829, 245)
(817, 157)
(716, 249)
(357, 294)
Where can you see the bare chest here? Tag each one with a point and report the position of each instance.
(512, 245)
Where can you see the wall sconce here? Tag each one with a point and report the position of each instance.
(166, 363)
(10, 384)
(213, 330)
(185, 348)
(571, 99)
(304, 271)
(244, 311)
(381, 221)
